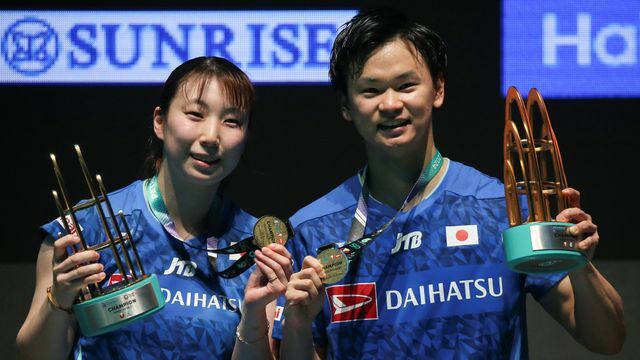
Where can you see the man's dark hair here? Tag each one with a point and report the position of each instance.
(371, 29)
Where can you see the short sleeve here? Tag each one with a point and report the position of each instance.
(539, 284)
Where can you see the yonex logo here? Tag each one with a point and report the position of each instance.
(30, 46)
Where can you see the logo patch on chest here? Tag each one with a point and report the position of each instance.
(353, 302)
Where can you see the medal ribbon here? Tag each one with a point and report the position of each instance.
(356, 239)
(159, 210)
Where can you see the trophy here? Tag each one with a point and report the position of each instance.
(533, 172)
(101, 309)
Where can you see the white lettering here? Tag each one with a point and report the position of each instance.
(185, 268)
(416, 239)
(172, 267)
(581, 40)
(234, 304)
(411, 240)
(201, 300)
(460, 290)
(393, 297)
(410, 297)
(197, 299)
(453, 291)
(177, 297)
(467, 292)
(214, 302)
(628, 34)
(480, 288)
(167, 294)
(492, 290)
(439, 292)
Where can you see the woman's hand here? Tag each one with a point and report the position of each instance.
(71, 273)
(305, 293)
(270, 277)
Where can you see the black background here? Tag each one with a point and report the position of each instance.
(300, 147)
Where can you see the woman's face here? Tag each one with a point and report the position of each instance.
(203, 137)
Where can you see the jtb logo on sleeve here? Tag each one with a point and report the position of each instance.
(353, 302)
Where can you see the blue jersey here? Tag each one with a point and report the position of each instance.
(433, 285)
(202, 309)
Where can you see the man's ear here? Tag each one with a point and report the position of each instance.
(158, 123)
(439, 90)
(344, 108)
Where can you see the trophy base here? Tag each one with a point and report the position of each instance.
(118, 308)
(542, 247)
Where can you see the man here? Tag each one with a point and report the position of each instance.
(432, 283)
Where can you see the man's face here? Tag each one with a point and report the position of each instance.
(392, 100)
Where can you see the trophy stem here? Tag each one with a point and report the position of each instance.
(103, 220)
(116, 227)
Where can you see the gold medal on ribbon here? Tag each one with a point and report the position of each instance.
(270, 230)
(335, 264)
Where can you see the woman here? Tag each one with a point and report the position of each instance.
(200, 130)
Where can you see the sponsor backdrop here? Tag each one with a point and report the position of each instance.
(73, 73)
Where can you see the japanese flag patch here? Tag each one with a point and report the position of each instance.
(462, 235)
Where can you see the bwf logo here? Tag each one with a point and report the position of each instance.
(353, 302)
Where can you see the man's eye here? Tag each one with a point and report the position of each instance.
(233, 123)
(370, 91)
(194, 114)
(406, 86)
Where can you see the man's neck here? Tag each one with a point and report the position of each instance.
(390, 177)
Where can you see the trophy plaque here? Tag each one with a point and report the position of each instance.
(100, 309)
(533, 173)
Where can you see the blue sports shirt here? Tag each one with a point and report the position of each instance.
(433, 285)
(202, 310)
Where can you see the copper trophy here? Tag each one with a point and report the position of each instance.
(534, 176)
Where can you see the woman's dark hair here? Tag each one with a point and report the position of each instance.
(371, 29)
(234, 83)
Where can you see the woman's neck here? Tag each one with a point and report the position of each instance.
(188, 204)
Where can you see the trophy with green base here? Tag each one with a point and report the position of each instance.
(533, 173)
(101, 309)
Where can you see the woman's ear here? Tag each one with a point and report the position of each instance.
(158, 123)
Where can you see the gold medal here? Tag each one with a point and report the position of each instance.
(335, 264)
(270, 230)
